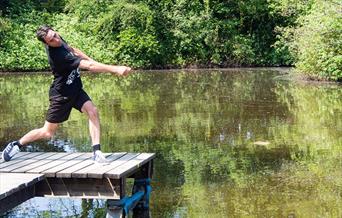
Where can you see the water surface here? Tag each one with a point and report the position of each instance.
(229, 143)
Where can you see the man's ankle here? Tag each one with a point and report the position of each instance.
(18, 143)
(96, 147)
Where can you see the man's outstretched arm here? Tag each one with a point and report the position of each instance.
(95, 66)
(88, 63)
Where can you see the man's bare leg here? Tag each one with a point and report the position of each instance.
(94, 128)
(94, 121)
(46, 132)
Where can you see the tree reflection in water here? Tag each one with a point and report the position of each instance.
(224, 139)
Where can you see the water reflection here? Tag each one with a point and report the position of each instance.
(224, 139)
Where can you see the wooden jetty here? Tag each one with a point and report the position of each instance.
(16, 188)
(53, 174)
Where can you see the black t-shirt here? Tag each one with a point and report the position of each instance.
(64, 65)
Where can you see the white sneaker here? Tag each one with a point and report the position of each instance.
(11, 149)
(99, 158)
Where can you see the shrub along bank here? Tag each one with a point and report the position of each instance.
(178, 33)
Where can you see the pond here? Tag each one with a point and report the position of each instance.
(229, 143)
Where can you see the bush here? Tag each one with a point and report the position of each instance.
(318, 42)
(150, 33)
(315, 42)
(136, 49)
(20, 48)
(123, 31)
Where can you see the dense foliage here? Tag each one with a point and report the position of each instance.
(315, 39)
(178, 33)
(318, 41)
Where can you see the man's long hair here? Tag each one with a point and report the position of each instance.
(42, 32)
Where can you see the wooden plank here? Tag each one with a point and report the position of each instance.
(67, 173)
(129, 166)
(143, 172)
(19, 160)
(12, 182)
(20, 154)
(79, 188)
(54, 156)
(88, 187)
(16, 188)
(98, 172)
(22, 163)
(16, 199)
(54, 163)
(52, 171)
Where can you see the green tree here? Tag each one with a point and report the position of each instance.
(315, 39)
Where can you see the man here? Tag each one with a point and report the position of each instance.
(66, 92)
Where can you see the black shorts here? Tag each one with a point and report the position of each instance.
(60, 106)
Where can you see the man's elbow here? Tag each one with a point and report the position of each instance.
(87, 65)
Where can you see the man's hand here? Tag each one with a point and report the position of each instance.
(122, 70)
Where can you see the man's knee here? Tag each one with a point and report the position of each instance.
(47, 134)
(93, 113)
(48, 130)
